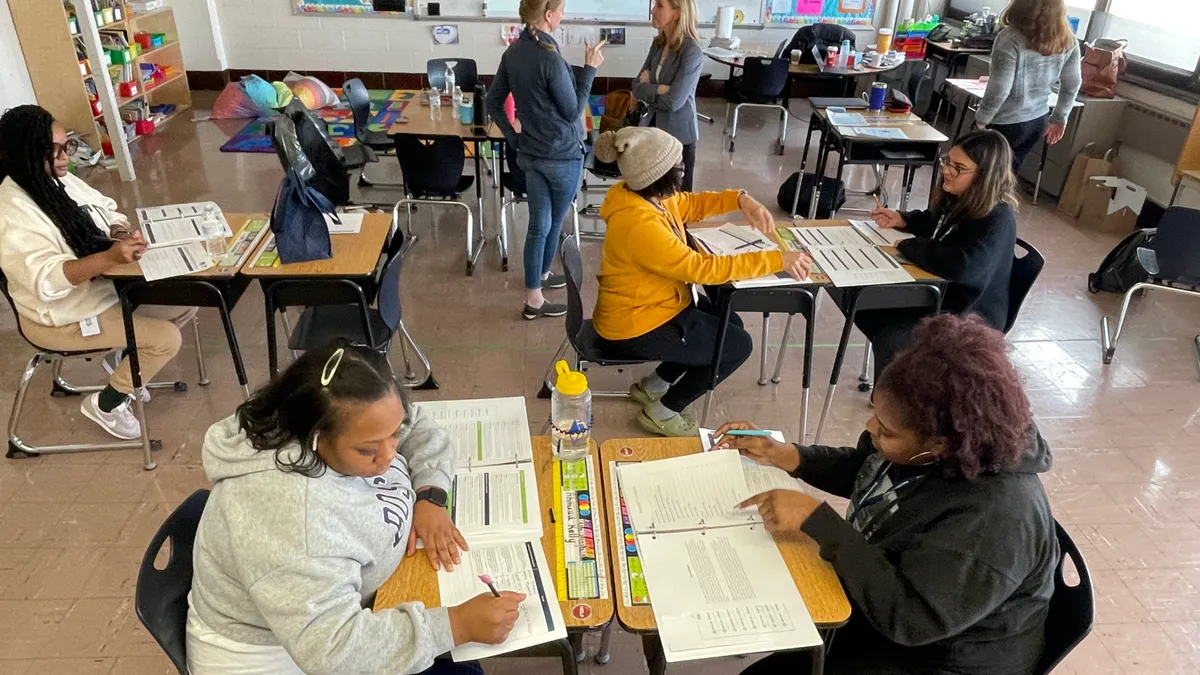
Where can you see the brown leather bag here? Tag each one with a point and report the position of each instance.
(617, 105)
(1101, 66)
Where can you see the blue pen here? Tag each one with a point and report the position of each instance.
(747, 432)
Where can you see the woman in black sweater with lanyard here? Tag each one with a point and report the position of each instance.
(966, 237)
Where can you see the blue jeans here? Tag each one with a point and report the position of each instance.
(551, 185)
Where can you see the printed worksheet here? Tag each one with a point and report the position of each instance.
(838, 235)
(879, 236)
(685, 492)
(859, 266)
(843, 119)
(485, 431)
(723, 592)
(175, 261)
(177, 223)
(730, 239)
(759, 478)
(496, 503)
(520, 567)
(351, 223)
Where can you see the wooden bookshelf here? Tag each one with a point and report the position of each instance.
(44, 31)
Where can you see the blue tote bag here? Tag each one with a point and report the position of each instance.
(298, 221)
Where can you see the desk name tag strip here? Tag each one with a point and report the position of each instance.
(633, 580)
(581, 567)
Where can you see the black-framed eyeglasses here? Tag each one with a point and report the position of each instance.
(69, 148)
(954, 168)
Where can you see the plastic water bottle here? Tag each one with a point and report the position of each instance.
(570, 414)
(844, 53)
(451, 83)
(214, 232)
(435, 103)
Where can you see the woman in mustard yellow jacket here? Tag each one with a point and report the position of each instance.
(645, 308)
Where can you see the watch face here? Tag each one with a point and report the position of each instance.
(435, 496)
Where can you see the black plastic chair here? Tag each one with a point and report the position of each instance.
(817, 35)
(433, 174)
(1072, 608)
(378, 142)
(1172, 262)
(1025, 271)
(466, 73)
(763, 85)
(361, 324)
(581, 335)
(161, 596)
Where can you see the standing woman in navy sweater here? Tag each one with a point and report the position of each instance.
(966, 237)
(548, 137)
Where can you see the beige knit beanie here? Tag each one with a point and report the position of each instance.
(644, 154)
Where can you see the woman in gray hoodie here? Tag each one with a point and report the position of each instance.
(322, 482)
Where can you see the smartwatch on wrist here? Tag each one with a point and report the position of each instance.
(434, 495)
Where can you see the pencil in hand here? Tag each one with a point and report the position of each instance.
(490, 584)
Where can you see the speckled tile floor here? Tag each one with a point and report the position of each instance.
(1126, 437)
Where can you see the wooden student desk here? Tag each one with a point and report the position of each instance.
(427, 122)
(416, 580)
(355, 257)
(816, 580)
(220, 287)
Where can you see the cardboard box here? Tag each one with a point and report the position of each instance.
(1111, 204)
(1092, 160)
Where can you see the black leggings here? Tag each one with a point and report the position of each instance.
(1023, 137)
(689, 166)
(685, 346)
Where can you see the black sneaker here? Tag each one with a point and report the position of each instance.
(555, 281)
(547, 309)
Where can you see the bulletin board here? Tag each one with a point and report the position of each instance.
(799, 12)
(333, 7)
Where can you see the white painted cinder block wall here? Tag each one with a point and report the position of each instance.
(15, 87)
(264, 34)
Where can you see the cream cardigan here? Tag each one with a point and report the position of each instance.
(32, 253)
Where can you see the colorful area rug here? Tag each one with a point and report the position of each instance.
(386, 106)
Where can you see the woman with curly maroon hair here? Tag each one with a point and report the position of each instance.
(947, 551)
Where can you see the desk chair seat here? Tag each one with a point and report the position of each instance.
(581, 334)
(763, 85)
(1173, 262)
(324, 324)
(359, 99)
(161, 595)
(358, 155)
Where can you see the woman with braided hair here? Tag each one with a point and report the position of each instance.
(57, 237)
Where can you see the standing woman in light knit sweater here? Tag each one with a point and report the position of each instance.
(58, 237)
(644, 307)
(1035, 50)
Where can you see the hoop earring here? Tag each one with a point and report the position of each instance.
(935, 459)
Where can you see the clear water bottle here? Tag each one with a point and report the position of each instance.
(570, 414)
(450, 80)
(214, 232)
(844, 53)
(435, 103)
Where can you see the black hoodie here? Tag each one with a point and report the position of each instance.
(954, 575)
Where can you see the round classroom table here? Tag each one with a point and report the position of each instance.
(803, 68)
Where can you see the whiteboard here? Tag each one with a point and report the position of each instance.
(629, 10)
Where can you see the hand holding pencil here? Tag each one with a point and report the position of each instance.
(886, 218)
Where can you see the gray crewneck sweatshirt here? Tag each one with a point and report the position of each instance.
(1020, 81)
(282, 559)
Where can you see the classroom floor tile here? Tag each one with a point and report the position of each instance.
(1126, 437)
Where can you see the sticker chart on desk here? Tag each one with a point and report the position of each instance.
(629, 562)
(581, 569)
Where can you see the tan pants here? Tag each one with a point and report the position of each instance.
(158, 338)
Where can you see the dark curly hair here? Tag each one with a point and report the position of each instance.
(26, 144)
(956, 381)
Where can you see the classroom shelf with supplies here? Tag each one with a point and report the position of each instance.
(142, 60)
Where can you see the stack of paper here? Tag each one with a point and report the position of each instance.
(718, 582)
(878, 235)
(759, 477)
(174, 238)
(850, 257)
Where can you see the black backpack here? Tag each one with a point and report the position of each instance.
(820, 35)
(833, 195)
(1120, 269)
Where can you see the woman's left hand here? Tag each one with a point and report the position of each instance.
(757, 216)
(1054, 132)
(663, 88)
(783, 510)
(442, 539)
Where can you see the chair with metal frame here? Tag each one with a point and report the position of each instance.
(371, 143)
(763, 85)
(20, 449)
(581, 335)
(1172, 262)
(324, 324)
(161, 596)
(512, 181)
(433, 174)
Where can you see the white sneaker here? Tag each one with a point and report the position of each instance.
(113, 359)
(121, 422)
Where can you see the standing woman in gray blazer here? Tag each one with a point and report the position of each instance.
(669, 77)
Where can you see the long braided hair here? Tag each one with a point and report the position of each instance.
(26, 145)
